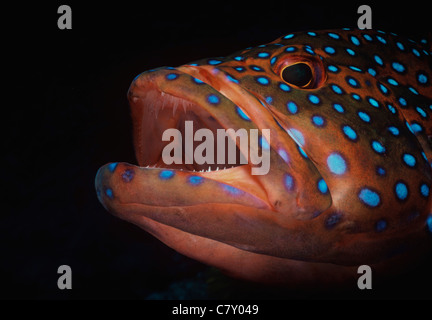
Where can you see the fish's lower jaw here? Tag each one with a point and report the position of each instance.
(244, 238)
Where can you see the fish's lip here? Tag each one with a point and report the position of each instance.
(138, 94)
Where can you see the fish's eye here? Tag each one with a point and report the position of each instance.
(298, 74)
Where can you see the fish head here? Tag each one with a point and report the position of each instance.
(310, 151)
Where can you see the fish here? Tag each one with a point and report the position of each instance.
(348, 116)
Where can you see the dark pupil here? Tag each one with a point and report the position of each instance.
(298, 74)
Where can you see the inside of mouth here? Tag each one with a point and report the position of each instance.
(162, 112)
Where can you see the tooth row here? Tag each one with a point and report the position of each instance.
(203, 170)
(159, 100)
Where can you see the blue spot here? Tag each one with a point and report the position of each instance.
(171, 76)
(232, 190)
(355, 69)
(289, 182)
(367, 37)
(333, 35)
(242, 114)
(214, 62)
(352, 82)
(372, 72)
(238, 58)
(333, 69)
(292, 107)
(166, 174)
(409, 160)
(351, 52)
(355, 96)
(391, 108)
(422, 78)
(284, 155)
(413, 90)
(195, 180)
(231, 78)
(297, 136)
(378, 60)
(273, 60)
(330, 50)
(392, 81)
(339, 108)
(373, 102)
(291, 49)
(364, 116)
(322, 186)
(269, 99)
(312, 34)
(314, 99)
(256, 68)
(302, 152)
(421, 112)
(309, 49)
(197, 81)
(424, 190)
(429, 223)
(381, 39)
(424, 156)
(355, 40)
(289, 36)
(369, 197)
(336, 164)
(263, 81)
(399, 67)
(416, 52)
(403, 102)
(378, 147)
(400, 46)
(112, 166)
(337, 89)
(128, 175)
(401, 191)
(383, 88)
(394, 131)
(263, 143)
(213, 99)
(416, 128)
(318, 121)
(284, 87)
(263, 55)
(380, 171)
(109, 193)
(349, 133)
(381, 225)
(240, 69)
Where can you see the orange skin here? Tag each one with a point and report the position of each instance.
(359, 196)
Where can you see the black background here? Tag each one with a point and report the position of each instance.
(65, 114)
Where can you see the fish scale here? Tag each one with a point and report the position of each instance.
(350, 157)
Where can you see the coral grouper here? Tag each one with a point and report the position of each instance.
(349, 119)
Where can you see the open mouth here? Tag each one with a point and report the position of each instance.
(168, 133)
(160, 107)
